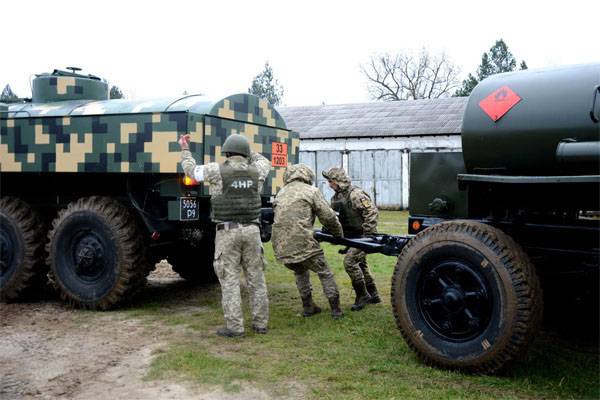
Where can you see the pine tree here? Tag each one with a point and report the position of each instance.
(265, 86)
(116, 93)
(497, 60)
(8, 96)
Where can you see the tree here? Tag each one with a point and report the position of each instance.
(265, 86)
(405, 76)
(116, 93)
(498, 59)
(8, 96)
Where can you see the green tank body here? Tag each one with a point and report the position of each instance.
(71, 151)
(552, 108)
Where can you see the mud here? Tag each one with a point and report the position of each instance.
(49, 351)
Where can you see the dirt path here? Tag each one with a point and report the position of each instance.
(49, 351)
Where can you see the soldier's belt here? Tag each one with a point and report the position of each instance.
(232, 225)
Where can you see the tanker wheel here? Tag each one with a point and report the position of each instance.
(22, 266)
(96, 255)
(194, 264)
(466, 296)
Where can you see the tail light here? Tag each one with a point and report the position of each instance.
(187, 181)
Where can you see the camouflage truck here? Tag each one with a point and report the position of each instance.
(493, 225)
(92, 191)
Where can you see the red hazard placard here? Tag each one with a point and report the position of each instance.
(279, 154)
(499, 102)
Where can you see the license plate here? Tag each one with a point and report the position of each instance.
(188, 209)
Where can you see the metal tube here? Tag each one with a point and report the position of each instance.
(578, 154)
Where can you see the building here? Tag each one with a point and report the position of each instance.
(373, 141)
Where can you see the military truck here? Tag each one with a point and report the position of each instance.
(92, 192)
(514, 212)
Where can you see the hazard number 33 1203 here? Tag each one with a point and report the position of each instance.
(279, 154)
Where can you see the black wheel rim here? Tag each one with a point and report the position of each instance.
(88, 258)
(7, 252)
(455, 300)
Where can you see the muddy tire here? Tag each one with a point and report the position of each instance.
(22, 257)
(96, 255)
(466, 296)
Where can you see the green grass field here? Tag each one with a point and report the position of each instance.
(361, 356)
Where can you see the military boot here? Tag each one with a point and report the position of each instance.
(336, 311)
(372, 289)
(362, 296)
(309, 308)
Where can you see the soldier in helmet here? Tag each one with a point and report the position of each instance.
(235, 187)
(296, 206)
(358, 216)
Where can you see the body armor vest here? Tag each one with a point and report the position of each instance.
(240, 200)
(350, 218)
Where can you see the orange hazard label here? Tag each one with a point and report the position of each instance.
(499, 102)
(279, 154)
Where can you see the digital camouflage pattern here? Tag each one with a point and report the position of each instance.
(238, 250)
(355, 264)
(318, 265)
(61, 85)
(357, 198)
(355, 261)
(212, 175)
(295, 207)
(134, 136)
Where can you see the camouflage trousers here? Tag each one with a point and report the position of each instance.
(318, 265)
(237, 250)
(355, 264)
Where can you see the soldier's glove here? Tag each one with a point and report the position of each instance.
(344, 250)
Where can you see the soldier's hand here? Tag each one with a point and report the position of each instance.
(344, 250)
(184, 141)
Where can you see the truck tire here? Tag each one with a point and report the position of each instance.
(194, 264)
(22, 266)
(466, 296)
(96, 255)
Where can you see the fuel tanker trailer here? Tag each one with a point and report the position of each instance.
(92, 191)
(514, 213)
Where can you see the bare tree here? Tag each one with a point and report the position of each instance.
(405, 76)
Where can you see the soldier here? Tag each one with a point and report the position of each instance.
(296, 206)
(358, 216)
(235, 187)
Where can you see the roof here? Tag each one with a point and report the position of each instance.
(380, 119)
(242, 107)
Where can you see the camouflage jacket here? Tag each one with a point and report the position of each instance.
(359, 200)
(211, 174)
(296, 206)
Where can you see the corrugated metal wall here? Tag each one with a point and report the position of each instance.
(378, 166)
(319, 161)
(378, 172)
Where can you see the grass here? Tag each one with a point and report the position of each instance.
(361, 356)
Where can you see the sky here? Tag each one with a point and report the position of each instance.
(154, 49)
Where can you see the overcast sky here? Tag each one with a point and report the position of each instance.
(162, 48)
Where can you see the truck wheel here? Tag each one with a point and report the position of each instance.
(22, 266)
(465, 296)
(194, 264)
(96, 255)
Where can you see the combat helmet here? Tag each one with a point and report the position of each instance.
(337, 175)
(236, 143)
